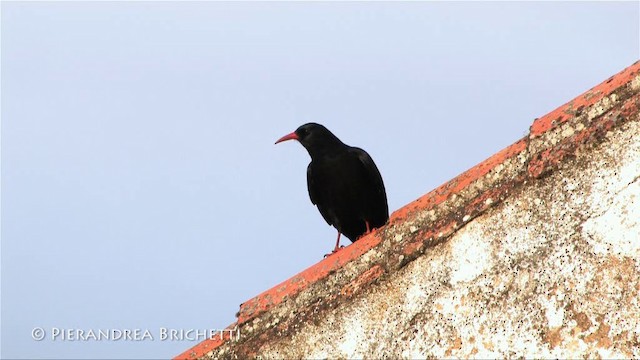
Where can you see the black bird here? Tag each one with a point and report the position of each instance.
(343, 181)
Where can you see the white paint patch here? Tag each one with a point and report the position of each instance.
(553, 312)
(415, 297)
(353, 336)
(615, 197)
(617, 230)
(470, 254)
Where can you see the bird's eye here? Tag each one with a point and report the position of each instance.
(303, 132)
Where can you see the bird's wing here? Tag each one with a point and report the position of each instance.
(370, 169)
(317, 197)
(373, 184)
(311, 186)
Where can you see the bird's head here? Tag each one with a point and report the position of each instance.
(317, 139)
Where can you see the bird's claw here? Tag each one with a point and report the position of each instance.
(334, 251)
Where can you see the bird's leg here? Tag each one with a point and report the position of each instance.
(337, 248)
(366, 223)
(337, 243)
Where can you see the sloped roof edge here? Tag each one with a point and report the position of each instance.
(433, 217)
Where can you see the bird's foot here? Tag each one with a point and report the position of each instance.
(334, 251)
(369, 229)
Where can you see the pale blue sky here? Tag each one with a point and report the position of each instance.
(140, 184)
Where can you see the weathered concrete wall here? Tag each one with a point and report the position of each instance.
(534, 252)
(552, 272)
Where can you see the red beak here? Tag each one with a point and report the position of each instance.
(292, 136)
